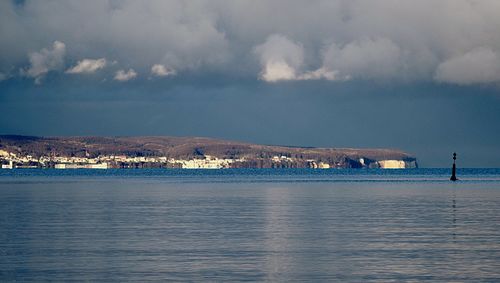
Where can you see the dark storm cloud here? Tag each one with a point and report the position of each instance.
(446, 41)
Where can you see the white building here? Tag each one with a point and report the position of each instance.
(7, 166)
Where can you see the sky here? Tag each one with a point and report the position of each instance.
(420, 76)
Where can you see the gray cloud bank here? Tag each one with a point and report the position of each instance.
(449, 41)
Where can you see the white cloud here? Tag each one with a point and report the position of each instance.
(3, 76)
(366, 58)
(480, 65)
(282, 59)
(45, 60)
(279, 58)
(274, 71)
(162, 71)
(87, 66)
(123, 76)
(323, 73)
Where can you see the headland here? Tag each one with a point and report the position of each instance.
(184, 152)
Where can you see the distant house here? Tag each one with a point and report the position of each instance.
(7, 166)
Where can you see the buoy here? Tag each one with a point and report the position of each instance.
(454, 169)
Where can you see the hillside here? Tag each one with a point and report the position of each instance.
(192, 148)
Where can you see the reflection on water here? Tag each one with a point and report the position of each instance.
(152, 229)
(276, 232)
(454, 206)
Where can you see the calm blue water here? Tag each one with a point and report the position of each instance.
(257, 225)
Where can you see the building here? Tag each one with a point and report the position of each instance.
(7, 166)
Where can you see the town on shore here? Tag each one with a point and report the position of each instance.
(185, 153)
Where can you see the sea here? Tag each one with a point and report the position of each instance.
(278, 225)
